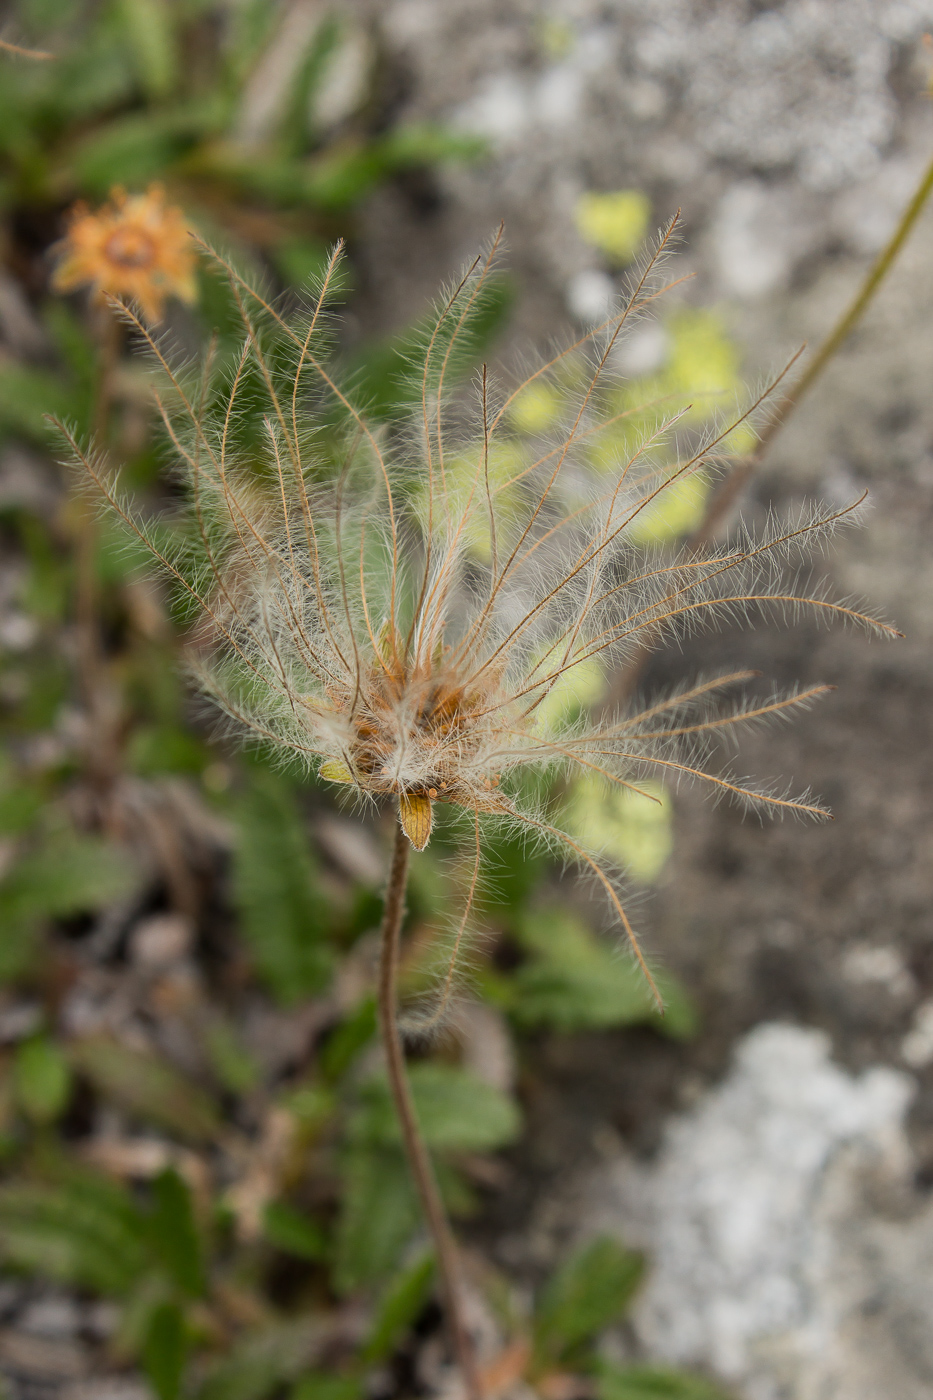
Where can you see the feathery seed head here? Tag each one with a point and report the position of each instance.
(408, 607)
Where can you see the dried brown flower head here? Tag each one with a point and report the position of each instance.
(137, 248)
(398, 606)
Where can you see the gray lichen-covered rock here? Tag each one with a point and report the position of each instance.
(787, 1254)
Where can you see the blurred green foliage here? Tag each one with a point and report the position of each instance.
(262, 1197)
(240, 103)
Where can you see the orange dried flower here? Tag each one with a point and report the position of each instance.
(135, 247)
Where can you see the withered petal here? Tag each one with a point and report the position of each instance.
(416, 816)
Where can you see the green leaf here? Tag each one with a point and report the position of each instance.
(574, 980)
(654, 1383)
(164, 748)
(131, 150)
(28, 394)
(457, 1111)
(148, 26)
(346, 1041)
(19, 947)
(515, 869)
(147, 1087)
(587, 1293)
(174, 1233)
(293, 1232)
(248, 28)
(635, 830)
(284, 918)
(83, 1230)
(41, 1079)
(73, 342)
(20, 804)
(378, 1217)
(324, 1387)
(259, 1363)
(233, 1064)
(312, 1105)
(69, 875)
(294, 127)
(428, 143)
(384, 372)
(398, 1308)
(300, 261)
(164, 1350)
(46, 594)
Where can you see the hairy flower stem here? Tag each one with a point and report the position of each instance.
(416, 1151)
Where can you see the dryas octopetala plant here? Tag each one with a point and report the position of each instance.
(396, 605)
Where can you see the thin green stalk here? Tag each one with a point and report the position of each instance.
(416, 1151)
(725, 497)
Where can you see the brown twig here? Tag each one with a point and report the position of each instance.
(422, 1171)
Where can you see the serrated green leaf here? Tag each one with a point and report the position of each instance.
(654, 1383)
(457, 1111)
(574, 980)
(68, 875)
(284, 918)
(147, 1087)
(587, 1293)
(378, 1217)
(83, 1230)
(291, 1231)
(260, 1362)
(164, 1350)
(41, 1079)
(174, 1233)
(398, 1308)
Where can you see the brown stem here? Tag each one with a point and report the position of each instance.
(422, 1171)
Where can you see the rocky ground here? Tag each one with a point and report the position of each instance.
(790, 135)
